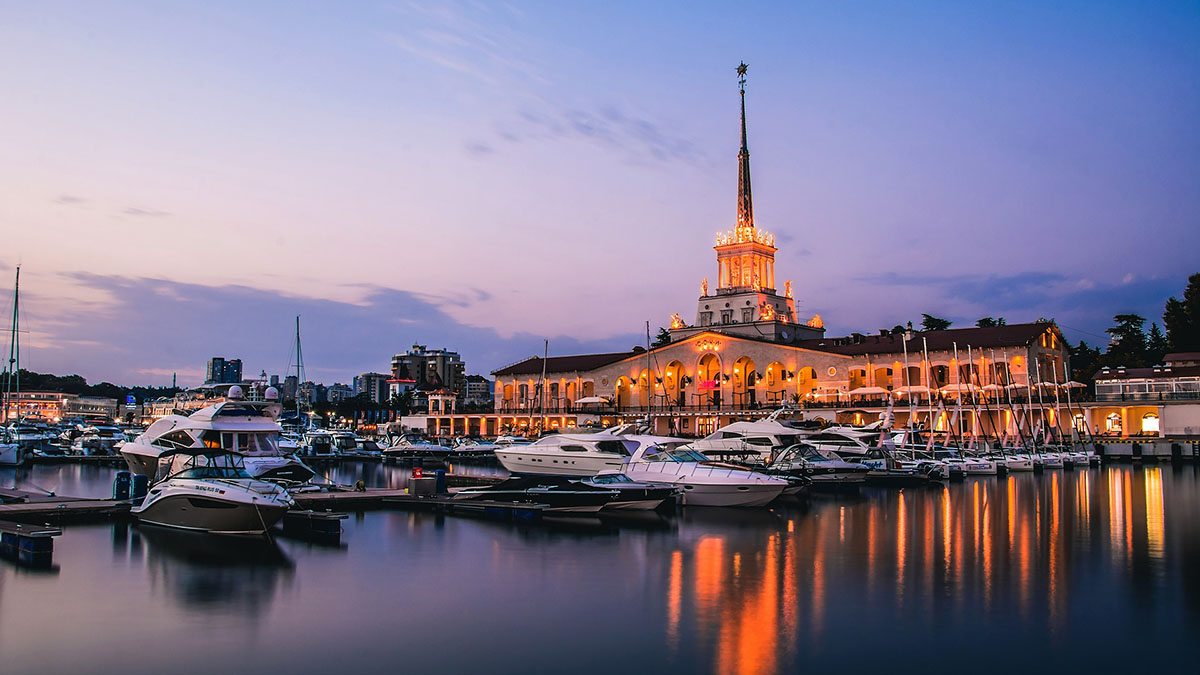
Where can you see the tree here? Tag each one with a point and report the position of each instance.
(1128, 344)
(1085, 361)
(931, 322)
(989, 322)
(1156, 345)
(663, 338)
(1181, 318)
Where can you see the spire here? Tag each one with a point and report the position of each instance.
(745, 204)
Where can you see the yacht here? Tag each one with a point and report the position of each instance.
(704, 482)
(472, 448)
(98, 439)
(11, 453)
(633, 496)
(568, 454)
(245, 427)
(824, 470)
(842, 441)
(413, 445)
(207, 489)
(758, 440)
(29, 437)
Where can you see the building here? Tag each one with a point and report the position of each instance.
(749, 354)
(431, 369)
(222, 371)
(479, 391)
(338, 392)
(374, 385)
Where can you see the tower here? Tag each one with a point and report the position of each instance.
(746, 287)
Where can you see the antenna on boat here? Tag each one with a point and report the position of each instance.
(14, 353)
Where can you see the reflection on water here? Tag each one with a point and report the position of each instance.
(1057, 563)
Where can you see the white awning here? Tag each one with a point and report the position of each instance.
(590, 399)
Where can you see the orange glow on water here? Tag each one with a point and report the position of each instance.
(1155, 516)
(674, 598)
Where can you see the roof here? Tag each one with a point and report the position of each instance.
(1155, 373)
(1012, 335)
(1182, 356)
(563, 364)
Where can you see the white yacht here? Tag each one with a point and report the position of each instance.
(11, 453)
(98, 439)
(822, 468)
(758, 440)
(207, 489)
(245, 427)
(572, 455)
(842, 441)
(703, 482)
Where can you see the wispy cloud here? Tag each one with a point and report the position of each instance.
(607, 127)
(149, 328)
(69, 200)
(152, 213)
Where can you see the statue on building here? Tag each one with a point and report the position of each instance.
(816, 321)
(703, 288)
(787, 289)
(757, 285)
(766, 312)
(677, 321)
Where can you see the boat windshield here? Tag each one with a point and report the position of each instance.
(611, 479)
(201, 467)
(684, 455)
(344, 442)
(803, 451)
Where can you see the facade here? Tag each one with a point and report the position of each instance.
(337, 392)
(479, 390)
(431, 369)
(218, 370)
(44, 406)
(374, 385)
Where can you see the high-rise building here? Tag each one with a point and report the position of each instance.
(374, 385)
(431, 369)
(223, 371)
(479, 390)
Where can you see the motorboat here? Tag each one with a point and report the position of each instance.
(411, 446)
(756, 440)
(842, 441)
(512, 440)
(703, 481)
(29, 437)
(245, 427)
(557, 494)
(633, 495)
(473, 448)
(208, 490)
(98, 439)
(885, 470)
(317, 442)
(571, 455)
(823, 470)
(11, 453)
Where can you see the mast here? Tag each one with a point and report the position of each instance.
(1008, 398)
(542, 386)
(908, 387)
(299, 372)
(14, 354)
(928, 396)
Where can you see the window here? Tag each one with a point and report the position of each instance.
(1150, 423)
(173, 440)
(730, 434)
(1112, 423)
(574, 448)
(759, 441)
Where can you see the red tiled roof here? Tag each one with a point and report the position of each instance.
(1012, 335)
(563, 364)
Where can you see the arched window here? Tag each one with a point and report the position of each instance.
(1079, 423)
(1150, 423)
(1112, 423)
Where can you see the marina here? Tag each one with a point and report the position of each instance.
(1046, 559)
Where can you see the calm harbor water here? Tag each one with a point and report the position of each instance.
(1094, 569)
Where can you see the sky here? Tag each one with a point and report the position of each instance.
(180, 180)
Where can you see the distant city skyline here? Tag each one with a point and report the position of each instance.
(181, 184)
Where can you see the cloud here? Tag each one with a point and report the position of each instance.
(70, 200)
(478, 148)
(606, 127)
(149, 328)
(152, 213)
(1084, 306)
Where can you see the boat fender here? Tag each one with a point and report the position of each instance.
(360, 486)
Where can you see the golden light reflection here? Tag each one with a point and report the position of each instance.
(1116, 512)
(901, 540)
(1052, 596)
(674, 598)
(1155, 516)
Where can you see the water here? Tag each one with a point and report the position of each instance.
(1090, 569)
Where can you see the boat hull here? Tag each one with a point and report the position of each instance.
(547, 464)
(204, 514)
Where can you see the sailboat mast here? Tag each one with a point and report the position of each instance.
(542, 393)
(908, 388)
(299, 371)
(929, 386)
(14, 354)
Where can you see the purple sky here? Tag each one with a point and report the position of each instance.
(179, 180)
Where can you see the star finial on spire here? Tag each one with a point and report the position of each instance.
(741, 71)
